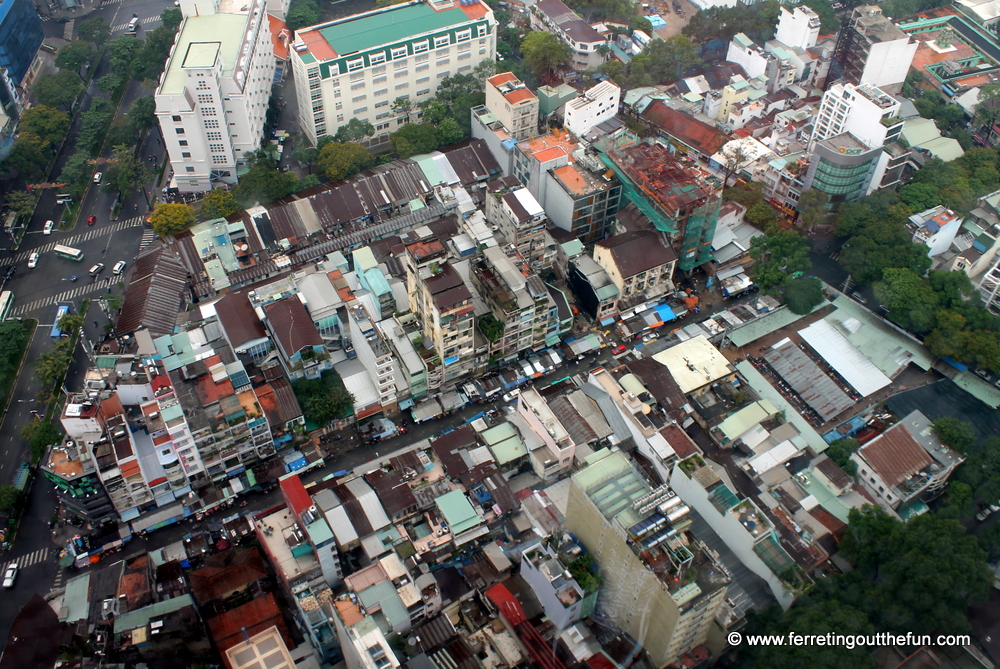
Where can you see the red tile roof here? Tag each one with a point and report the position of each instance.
(894, 455)
(700, 136)
(679, 441)
(295, 494)
(256, 616)
(280, 36)
(502, 78)
(225, 573)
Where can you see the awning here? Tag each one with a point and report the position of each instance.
(608, 321)
(665, 312)
(406, 404)
(161, 515)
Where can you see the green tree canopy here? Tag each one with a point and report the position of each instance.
(74, 56)
(9, 498)
(171, 18)
(40, 434)
(544, 52)
(21, 202)
(57, 89)
(777, 256)
(354, 131)
(343, 160)
(95, 31)
(450, 132)
(812, 208)
(169, 218)
(802, 294)
(218, 203)
(47, 123)
(414, 138)
(302, 13)
(911, 301)
(955, 433)
(126, 174)
(324, 399)
(263, 184)
(28, 157)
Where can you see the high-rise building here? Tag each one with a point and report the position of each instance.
(659, 584)
(514, 105)
(594, 106)
(798, 27)
(213, 95)
(845, 168)
(358, 66)
(520, 219)
(20, 37)
(863, 110)
(72, 470)
(873, 50)
(444, 303)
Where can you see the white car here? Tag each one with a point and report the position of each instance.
(984, 514)
(98, 176)
(47, 230)
(511, 396)
(33, 260)
(119, 267)
(10, 575)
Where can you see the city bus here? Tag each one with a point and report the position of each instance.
(68, 252)
(57, 332)
(6, 304)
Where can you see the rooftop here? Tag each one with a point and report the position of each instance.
(694, 363)
(639, 251)
(458, 511)
(201, 40)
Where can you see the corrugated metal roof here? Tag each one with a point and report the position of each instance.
(156, 292)
(805, 377)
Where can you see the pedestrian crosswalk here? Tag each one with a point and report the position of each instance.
(95, 289)
(58, 583)
(35, 557)
(148, 237)
(143, 22)
(76, 239)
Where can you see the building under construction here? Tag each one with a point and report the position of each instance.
(674, 194)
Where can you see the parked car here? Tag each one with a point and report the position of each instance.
(10, 575)
(620, 348)
(91, 219)
(859, 297)
(98, 176)
(511, 396)
(9, 274)
(33, 260)
(984, 514)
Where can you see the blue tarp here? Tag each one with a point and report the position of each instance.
(665, 312)
(608, 321)
(476, 417)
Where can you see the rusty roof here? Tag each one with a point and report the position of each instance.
(679, 440)
(292, 326)
(256, 616)
(226, 572)
(238, 318)
(288, 403)
(156, 292)
(690, 131)
(832, 471)
(448, 448)
(895, 455)
(639, 251)
(660, 383)
(393, 492)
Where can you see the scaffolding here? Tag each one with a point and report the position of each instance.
(678, 199)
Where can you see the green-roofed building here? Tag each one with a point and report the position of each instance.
(458, 512)
(657, 583)
(357, 66)
(213, 95)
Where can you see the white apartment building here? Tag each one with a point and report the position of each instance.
(555, 17)
(798, 28)
(864, 111)
(356, 67)
(597, 105)
(213, 95)
(873, 50)
(514, 105)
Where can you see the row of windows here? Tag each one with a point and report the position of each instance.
(400, 52)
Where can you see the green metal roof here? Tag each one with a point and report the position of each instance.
(201, 37)
(319, 532)
(764, 325)
(141, 617)
(384, 595)
(497, 434)
(457, 511)
(612, 484)
(766, 391)
(738, 423)
(394, 25)
(879, 342)
(76, 601)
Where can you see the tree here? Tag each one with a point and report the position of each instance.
(803, 293)
(123, 133)
(21, 202)
(343, 160)
(402, 107)
(354, 131)
(302, 13)
(777, 256)
(169, 219)
(414, 138)
(95, 31)
(58, 89)
(126, 174)
(955, 433)
(47, 123)
(324, 399)
(28, 157)
(672, 57)
(736, 158)
(51, 365)
(171, 18)
(988, 105)
(491, 327)
(9, 498)
(93, 124)
(123, 51)
(840, 452)
(143, 113)
(449, 132)
(152, 57)
(812, 207)
(911, 301)
(218, 203)
(544, 52)
(74, 56)
(40, 434)
(263, 184)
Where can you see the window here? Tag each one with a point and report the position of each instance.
(398, 52)
(211, 124)
(336, 92)
(205, 99)
(424, 67)
(402, 73)
(208, 111)
(219, 160)
(360, 98)
(482, 29)
(355, 64)
(420, 46)
(441, 62)
(379, 80)
(381, 92)
(464, 56)
(442, 75)
(464, 48)
(179, 131)
(383, 103)
(358, 86)
(360, 110)
(340, 118)
(182, 142)
(463, 35)
(357, 76)
(382, 116)
(338, 106)
(376, 58)
(402, 87)
(378, 70)
(176, 119)
(216, 148)
(425, 91)
(465, 68)
(185, 154)
(439, 42)
(423, 80)
(189, 168)
(382, 126)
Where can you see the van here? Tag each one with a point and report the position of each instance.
(133, 25)
(119, 267)
(47, 230)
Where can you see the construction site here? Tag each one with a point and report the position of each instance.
(678, 197)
